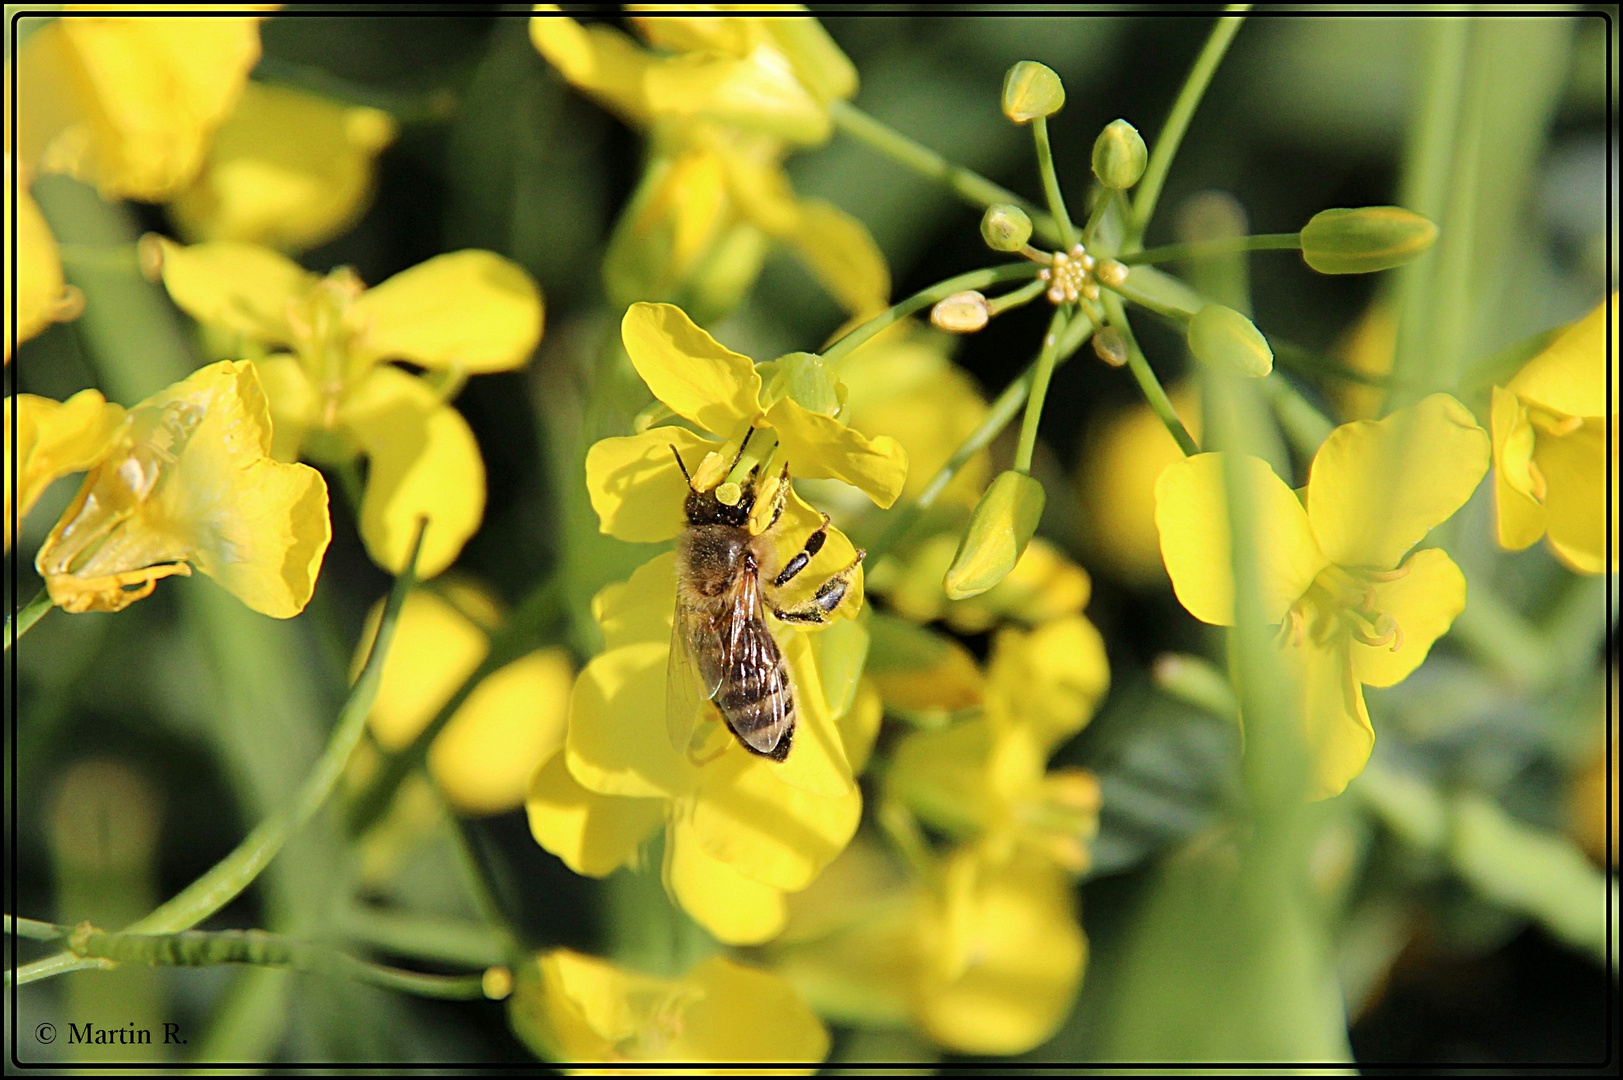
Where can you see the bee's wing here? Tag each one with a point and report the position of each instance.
(692, 673)
(764, 711)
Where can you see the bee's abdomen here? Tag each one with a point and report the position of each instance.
(760, 708)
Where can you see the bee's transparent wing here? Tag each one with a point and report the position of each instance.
(757, 704)
(692, 675)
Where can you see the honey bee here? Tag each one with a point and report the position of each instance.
(721, 647)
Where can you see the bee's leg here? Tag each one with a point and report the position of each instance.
(780, 497)
(814, 544)
(829, 596)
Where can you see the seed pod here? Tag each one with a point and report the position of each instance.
(1119, 155)
(999, 530)
(1366, 239)
(961, 313)
(1005, 227)
(809, 382)
(1220, 335)
(1031, 90)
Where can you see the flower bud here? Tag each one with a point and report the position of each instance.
(1119, 155)
(1031, 90)
(1111, 273)
(1005, 227)
(1110, 345)
(1364, 240)
(1220, 335)
(999, 530)
(961, 313)
(809, 382)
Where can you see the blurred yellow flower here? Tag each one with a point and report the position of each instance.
(983, 957)
(634, 482)
(337, 397)
(577, 1009)
(187, 480)
(483, 759)
(1044, 585)
(1353, 610)
(128, 103)
(286, 169)
(43, 297)
(1115, 479)
(740, 830)
(1550, 447)
(54, 439)
(724, 100)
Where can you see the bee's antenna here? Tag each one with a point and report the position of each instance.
(748, 435)
(681, 466)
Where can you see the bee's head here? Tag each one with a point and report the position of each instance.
(724, 504)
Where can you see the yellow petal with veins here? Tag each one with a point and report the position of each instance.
(636, 486)
(617, 743)
(820, 447)
(687, 369)
(470, 310)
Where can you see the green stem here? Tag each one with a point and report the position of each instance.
(1154, 394)
(542, 607)
(974, 279)
(1045, 169)
(1022, 296)
(1305, 426)
(1101, 207)
(436, 938)
(104, 258)
(1183, 109)
(234, 873)
(31, 613)
(1039, 389)
(206, 948)
(1202, 249)
(968, 185)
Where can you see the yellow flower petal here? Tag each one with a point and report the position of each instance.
(286, 169)
(1051, 678)
(423, 462)
(471, 310)
(859, 725)
(942, 776)
(598, 59)
(737, 910)
(294, 404)
(1378, 486)
(818, 62)
(711, 1030)
(1425, 603)
(758, 93)
(748, 817)
(638, 610)
(1192, 516)
(581, 1008)
(42, 295)
(435, 648)
(53, 440)
(241, 288)
(1339, 734)
(517, 716)
(712, 32)
(1520, 513)
(132, 101)
(188, 479)
(1014, 931)
(820, 447)
(1569, 377)
(635, 485)
(1574, 467)
(617, 743)
(817, 762)
(593, 834)
(761, 190)
(842, 255)
(689, 370)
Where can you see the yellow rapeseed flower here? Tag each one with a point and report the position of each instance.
(187, 480)
(127, 103)
(286, 169)
(740, 830)
(634, 482)
(334, 394)
(1550, 452)
(54, 439)
(724, 100)
(577, 1010)
(43, 297)
(1044, 585)
(1353, 608)
(483, 759)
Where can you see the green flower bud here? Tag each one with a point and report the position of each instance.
(1031, 90)
(1005, 227)
(1220, 335)
(1110, 345)
(1364, 240)
(999, 530)
(1119, 155)
(809, 382)
(961, 313)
